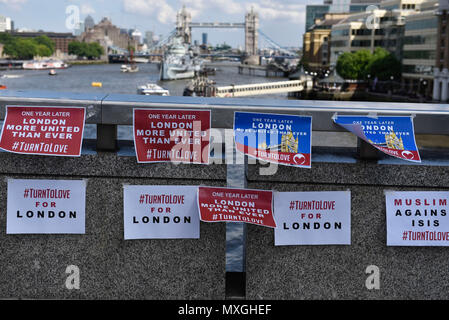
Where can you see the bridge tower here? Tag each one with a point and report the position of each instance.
(183, 28)
(251, 34)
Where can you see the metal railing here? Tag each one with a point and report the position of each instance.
(108, 111)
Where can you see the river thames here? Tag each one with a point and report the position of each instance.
(79, 78)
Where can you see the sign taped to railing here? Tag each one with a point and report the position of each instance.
(393, 135)
(46, 207)
(50, 131)
(236, 205)
(161, 212)
(162, 135)
(312, 218)
(417, 218)
(281, 139)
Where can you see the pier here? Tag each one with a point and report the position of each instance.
(11, 64)
(270, 70)
(252, 70)
(259, 89)
(35, 266)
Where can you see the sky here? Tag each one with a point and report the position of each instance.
(281, 20)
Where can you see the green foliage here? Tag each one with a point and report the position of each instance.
(26, 48)
(21, 48)
(384, 65)
(358, 65)
(47, 42)
(89, 50)
(354, 65)
(5, 38)
(43, 50)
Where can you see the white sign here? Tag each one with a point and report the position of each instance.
(417, 218)
(161, 212)
(46, 206)
(312, 218)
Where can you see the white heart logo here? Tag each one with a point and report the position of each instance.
(407, 155)
(299, 158)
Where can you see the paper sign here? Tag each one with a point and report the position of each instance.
(394, 136)
(417, 218)
(161, 212)
(56, 131)
(282, 139)
(172, 135)
(312, 218)
(46, 206)
(236, 205)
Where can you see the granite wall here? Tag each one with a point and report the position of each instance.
(34, 266)
(339, 271)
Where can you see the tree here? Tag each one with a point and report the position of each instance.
(75, 48)
(94, 50)
(6, 38)
(20, 48)
(384, 65)
(354, 65)
(88, 50)
(47, 42)
(345, 66)
(43, 50)
(358, 65)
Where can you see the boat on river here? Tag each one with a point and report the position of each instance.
(129, 68)
(45, 64)
(152, 89)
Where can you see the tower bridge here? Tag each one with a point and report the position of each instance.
(184, 27)
(217, 25)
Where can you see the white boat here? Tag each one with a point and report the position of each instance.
(44, 64)
(152, 89)
(129, 68)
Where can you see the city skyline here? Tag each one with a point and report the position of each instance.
(281, 20)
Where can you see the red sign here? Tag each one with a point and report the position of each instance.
(56, 131)
(236, 205)
(172, 135)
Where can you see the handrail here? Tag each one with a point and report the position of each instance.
(116, 109)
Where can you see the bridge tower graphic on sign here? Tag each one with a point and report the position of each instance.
(289, 143)
(393, 142)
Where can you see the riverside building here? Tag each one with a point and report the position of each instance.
(419, 49)
(380, 27)
(440, 71)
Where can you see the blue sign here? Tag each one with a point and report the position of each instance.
(277, 138)
(392, 135)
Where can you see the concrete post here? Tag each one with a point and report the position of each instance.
(436, 85)
(443, 90)
(235, 287)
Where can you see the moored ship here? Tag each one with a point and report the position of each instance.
(178, 62)
(44, 64)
